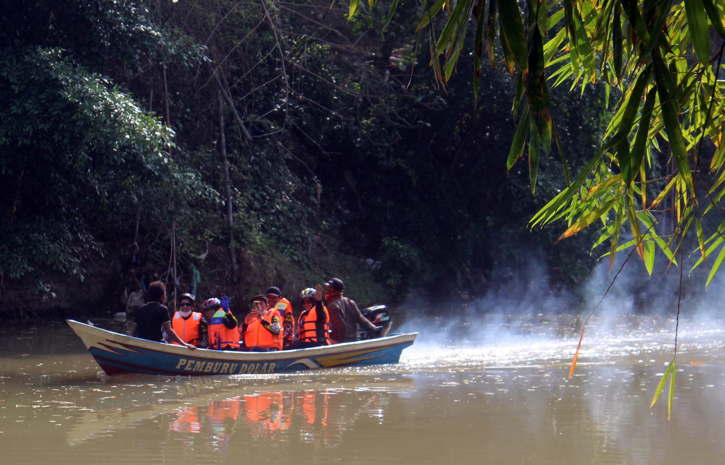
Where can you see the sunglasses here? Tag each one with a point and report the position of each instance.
(185, 304)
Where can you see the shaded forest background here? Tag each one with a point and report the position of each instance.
(270, 142)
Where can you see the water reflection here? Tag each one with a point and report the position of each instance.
(310, 408)
(270, 415)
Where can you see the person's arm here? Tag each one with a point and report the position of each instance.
(203, 334)
(230, 321)
(320, 324)
(361, 318)
(274, 327)
(172, 336)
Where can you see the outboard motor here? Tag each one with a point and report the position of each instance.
(380, 316)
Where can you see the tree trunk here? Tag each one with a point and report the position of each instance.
(228, 187)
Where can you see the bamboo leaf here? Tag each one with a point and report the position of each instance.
(456, 21)
(647, 219)
(518, 143)
(425, 21)
(631, 106)
(640, 142)
(451, 61)
(649, 256)
(352, 8)
(617, 40)
(698, 28)
(587, 220)
(671, 393)
(661, 384)
(716, 17)
(534, 144)
(663, 193)
(555, 205)
(670, 112)
(512, 30)
(391, 12)
(491, 31)
(708, 251)
(700, 236)
(715, 266)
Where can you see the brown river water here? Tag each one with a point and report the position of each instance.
(499, 398)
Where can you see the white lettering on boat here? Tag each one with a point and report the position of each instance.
(223, 368)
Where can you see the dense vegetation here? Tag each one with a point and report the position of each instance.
(662, 156)
(269, 142)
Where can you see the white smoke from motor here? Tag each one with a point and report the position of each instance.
(526, 317)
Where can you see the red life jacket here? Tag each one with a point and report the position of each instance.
(308, 326)
(188, 329)
(221, 337)
(257, 335)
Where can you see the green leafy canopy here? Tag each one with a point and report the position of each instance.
(663, 152)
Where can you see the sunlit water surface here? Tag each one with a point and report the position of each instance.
(499, 397)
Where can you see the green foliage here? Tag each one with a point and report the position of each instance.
(656, 58)
(80, 148)
(400, 261)
(670, 375)
(339, 147)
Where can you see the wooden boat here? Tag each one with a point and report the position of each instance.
(118, 353)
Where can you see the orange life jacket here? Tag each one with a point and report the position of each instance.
(286, 312)
(221, 337)
(188, 329)
(256, 335)
(267, 409)
(219, 412)
(187, 421)
(308, 325)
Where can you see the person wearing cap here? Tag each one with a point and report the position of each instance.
(314, 320)
(222, 326)
(345, 316)
(188, 323)
(286, 312)
(263, 327)
(152, 319)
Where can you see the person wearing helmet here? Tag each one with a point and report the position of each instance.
(222, 326)
(314, 320)
(345, 316)
(286, 312)
(263, 327)
(152, 320)
(188, 323)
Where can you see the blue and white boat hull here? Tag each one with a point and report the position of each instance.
(118, 353)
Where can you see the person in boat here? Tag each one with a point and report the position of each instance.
(222, 326)
(189, 324)
(314, 321)
(345, 316)
(263, 330)
(152, 319)
(286, 312)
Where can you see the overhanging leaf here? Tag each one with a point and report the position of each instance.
(698, 28)
(661, 384)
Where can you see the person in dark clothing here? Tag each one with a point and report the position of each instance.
(152, 319)
(345, 316)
